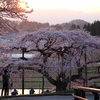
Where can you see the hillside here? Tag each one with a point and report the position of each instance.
(77, 22)
(31, 26)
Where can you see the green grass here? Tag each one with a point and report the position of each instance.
(34, 79)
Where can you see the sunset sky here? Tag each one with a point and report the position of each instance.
(61, 11)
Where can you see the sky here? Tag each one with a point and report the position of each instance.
(61, 11)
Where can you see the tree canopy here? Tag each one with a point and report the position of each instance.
(57, 51)
(12, 9)
(93, 28)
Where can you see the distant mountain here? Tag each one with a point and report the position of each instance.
(77, 22)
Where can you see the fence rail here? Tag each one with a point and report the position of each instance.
(79, 92)
(78, 97)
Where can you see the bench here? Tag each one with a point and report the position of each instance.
(79, 92)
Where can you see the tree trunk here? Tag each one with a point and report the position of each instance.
(61, 85)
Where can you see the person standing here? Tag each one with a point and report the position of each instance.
(5, 87)
(11, 84)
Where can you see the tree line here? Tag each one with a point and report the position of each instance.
(93, 28)
(31, 26)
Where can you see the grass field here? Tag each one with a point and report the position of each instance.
(34, 79)
(31, 79)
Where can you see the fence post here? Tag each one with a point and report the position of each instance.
(76, 93)
(96, 96)
(82, 93)
(23, 81)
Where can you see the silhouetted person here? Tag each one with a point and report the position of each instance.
(47, 91)
(32, 91)
(11, 84)
(95, 85)
(15, 92)
(5, 80)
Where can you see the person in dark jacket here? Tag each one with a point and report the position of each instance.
(15, 92)
(5, 79)
(32, 91)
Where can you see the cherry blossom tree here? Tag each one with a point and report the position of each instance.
(59, 52)
(12, 9)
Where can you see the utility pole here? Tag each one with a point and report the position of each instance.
(23, 81)
(42, 84)
(85, 56)
(23, 72)
(44, 62)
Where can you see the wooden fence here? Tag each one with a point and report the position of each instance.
(80, 93)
